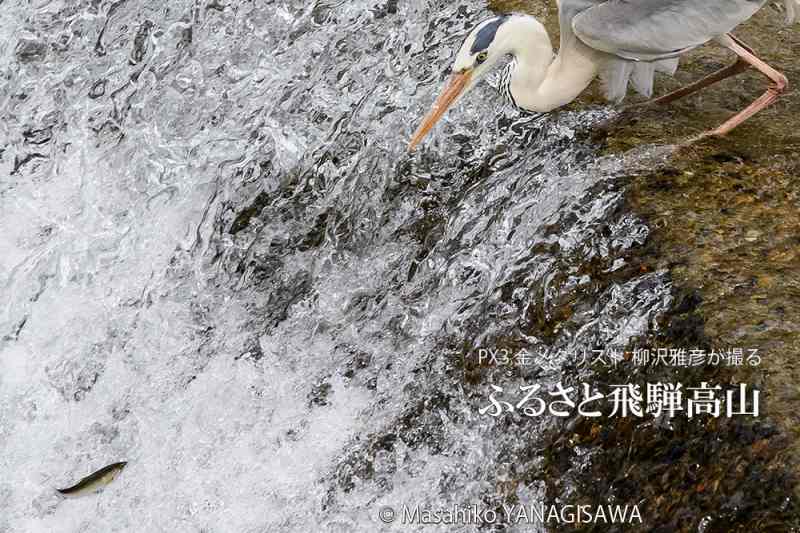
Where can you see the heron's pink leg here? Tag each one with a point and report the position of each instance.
(778, 87)
(724, 73)
(731, 70)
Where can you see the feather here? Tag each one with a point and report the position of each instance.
(649, 30)
(667, 66)
(642, 78)
(792, 10)
(618, 73)
(615, 78)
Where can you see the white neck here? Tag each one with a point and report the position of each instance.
(540, 82)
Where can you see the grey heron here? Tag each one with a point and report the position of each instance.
(624, 42)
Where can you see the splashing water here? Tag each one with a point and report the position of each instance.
(218, 264)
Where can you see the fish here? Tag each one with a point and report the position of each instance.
(94, 482)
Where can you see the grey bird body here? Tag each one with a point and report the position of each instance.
(624, 42)
(647, 30)
(649, 35)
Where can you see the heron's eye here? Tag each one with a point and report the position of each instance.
(481, 57)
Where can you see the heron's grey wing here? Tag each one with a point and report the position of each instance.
(649, 30)
(792, 10)
(567, 11)
(616, 73)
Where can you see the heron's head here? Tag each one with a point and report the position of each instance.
(482, 49)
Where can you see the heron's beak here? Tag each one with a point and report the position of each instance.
(455, 86)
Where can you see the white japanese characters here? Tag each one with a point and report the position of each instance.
(627, 400)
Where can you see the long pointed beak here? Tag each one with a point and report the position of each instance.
(455, 86)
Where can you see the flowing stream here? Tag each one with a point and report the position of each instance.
(218, 263)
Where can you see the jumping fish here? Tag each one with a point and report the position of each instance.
(94, 482)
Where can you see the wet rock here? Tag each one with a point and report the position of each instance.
(30, 49)
(21, 161)
(75, 378)
(38, 135)
(252, 352)
(139, 50)
(98, 89)
(318, 396)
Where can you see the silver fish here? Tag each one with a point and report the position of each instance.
(94, 482)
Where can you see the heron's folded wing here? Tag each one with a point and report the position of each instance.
(649, 30)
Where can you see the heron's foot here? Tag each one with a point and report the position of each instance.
(692, 142)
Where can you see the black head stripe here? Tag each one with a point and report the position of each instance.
(486, 34)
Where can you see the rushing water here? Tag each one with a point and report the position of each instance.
(218, 263)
